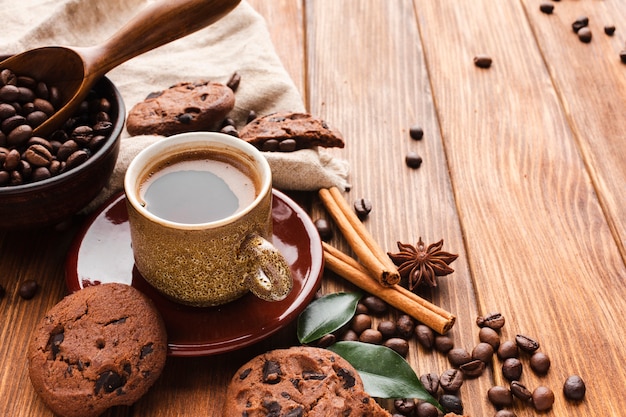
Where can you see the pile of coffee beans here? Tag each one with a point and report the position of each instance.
(26, 103)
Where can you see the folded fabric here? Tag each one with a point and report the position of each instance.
(239, 42)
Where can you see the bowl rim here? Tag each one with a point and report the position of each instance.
(108, 146)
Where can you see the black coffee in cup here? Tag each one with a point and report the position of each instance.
(199, 187)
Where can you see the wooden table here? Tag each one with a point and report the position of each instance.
(523, 175)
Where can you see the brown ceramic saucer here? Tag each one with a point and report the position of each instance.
(101, 252)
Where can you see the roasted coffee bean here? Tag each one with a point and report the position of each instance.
(451, 380)
(6, 111)
(361, 322)
(44, 106)
(425, 336)
(12, 160)
(251, 116)
(287, 145)
(326, 340)
(399, 345)
(430, 382)
(574, 388)
(375, 305)
(483, 61)
(508, 349)
(520, 391)
(483, 352)
(493, 320)
(505, 413)
(82, 135)
(350, 335)
(405, 326)
(413, 160)
(546, 7)
(41, 173)
(585, 35)
(19, 136)
(443, 343)
(540, 363)
(324, 229)
(512, 369)
(371, 336)
(580, 23)
(36, 118)
(7, 77)
(270, 145)
(489, 335)
(68, 148)
(473, 368)
(425, 409)
(404, 406)
(361, 308)
(362, 208)
(38, 155)
(26, 95)
(500, 396)
(77, 158)
(459, 356)
(233, 82)
(12, 122)
(416, 132)
(609, 30)
(526, 344)
(9, 93)
(543, 398)
(230, 130)
(387, 328)
(5, 177)
(28, 289)
(451, 404)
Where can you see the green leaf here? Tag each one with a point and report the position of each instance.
(385, 374)
(325, 315)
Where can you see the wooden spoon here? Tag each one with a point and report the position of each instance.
(74, 70)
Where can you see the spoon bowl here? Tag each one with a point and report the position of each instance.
(74, 70)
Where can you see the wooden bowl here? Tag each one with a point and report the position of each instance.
(54, 200)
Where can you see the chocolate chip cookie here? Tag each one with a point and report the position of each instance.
(184, 107)
(297, 382)
(290, 132)
(99, 347)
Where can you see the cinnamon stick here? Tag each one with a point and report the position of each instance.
(397, 296)
(370, 254)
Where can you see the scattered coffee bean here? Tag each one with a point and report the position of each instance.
(482, 61)
(451, 380)
(609, 30)
(500, 396)
(399, 345)
(526, 344)
(493, 320)
(413, 160)
(540, 363)
(451, 404)
(404, 406)
(508, 349)
(520, 391)
(375, 305)
(362, 208)
(28, 289)
(425, 336)
(580, 23)
(324, 229)
(443, 343)
(543, 398)
(473, 368)
(585, 35)
(512, 369)
(251, 116)
(361, 308)
(430, 382)
(230, 130)
(416, 132)
(360, 323)
(574, 388)
(546, 8)
(233, 82)
(459, 356)
(350, 336)
(326, 340)
(489, 335)
(405, 326)
(387, 328)
(372, 336)
(483, 352)
(425, 409)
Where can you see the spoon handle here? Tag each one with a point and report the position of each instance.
(157, 24)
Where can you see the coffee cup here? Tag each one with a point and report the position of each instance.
(200, 215)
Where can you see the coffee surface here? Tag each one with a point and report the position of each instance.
(194, 191)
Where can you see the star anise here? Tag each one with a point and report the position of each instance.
(421, 265)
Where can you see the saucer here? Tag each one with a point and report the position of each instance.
(101, 253)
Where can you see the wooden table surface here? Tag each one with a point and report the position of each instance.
(523, 175)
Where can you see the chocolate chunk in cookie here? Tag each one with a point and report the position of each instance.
(299, 381)
(286, 132)
(100, 347)
(184, 107)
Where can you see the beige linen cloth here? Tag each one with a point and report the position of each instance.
(239, 42)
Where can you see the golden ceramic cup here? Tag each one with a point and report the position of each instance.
(215, 262)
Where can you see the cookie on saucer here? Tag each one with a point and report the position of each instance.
(99, 347)
(296, 382)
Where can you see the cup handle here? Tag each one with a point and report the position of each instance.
(269, 275)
